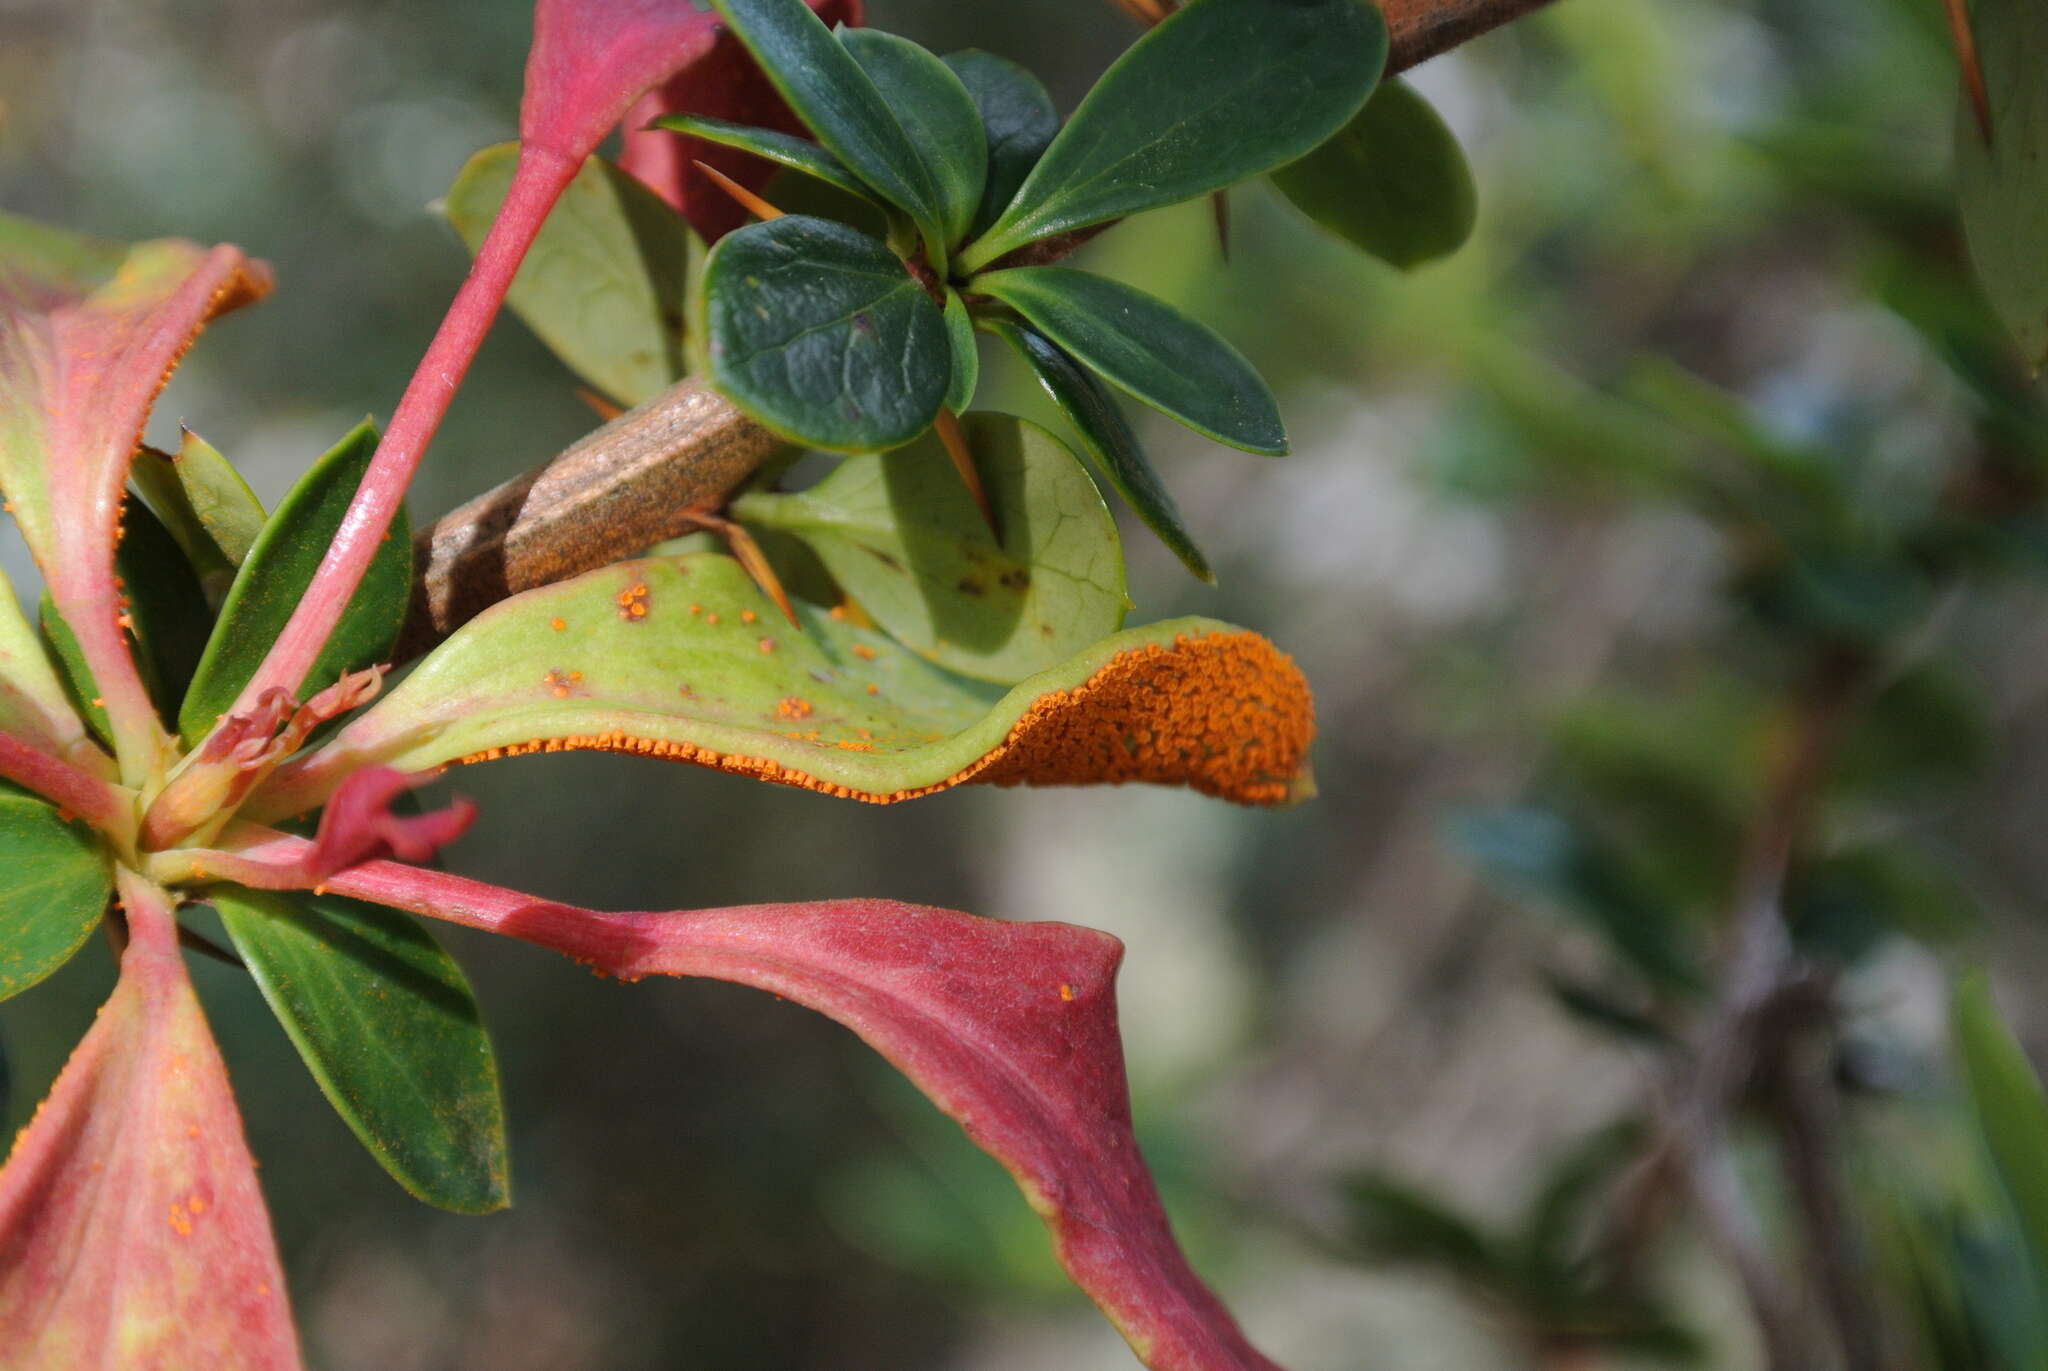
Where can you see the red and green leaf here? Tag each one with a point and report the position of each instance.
(88, 333)
(1010, 1028)
(132, 1232)
(683, 658)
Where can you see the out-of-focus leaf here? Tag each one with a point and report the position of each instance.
(1018, 123)
(817, 331)
(54, 884)
(938, 114)
(1393, 181)
(1222, 91)
(783, 149)
(1148, 348)
(1540, 853)
(2011, 1110)
(1107, 438)
(2004, 183)
(1389, 1220)
(604, 283)
(966, 374)
(1598, 1009)
(132, 1231)
(838, 101)
(900, 532)
(684, 658)
(276, 573)
(1845, 904)
(1548, 1243)
(1927, 728)
(386, 1023)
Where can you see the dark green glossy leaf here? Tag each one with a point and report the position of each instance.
(1107, 439)
(899, 531)
(817, 331)
(1018, 123)
(938, 114)
(1393, 181)
(838, 101)
(1223, 90)
(166, 607)
(2004, 184)
(1540, 853)
(386, 1023)
(276, 574)
(54, 884)
(605, 282)
(783, 149)
(2011, 1110)
(960, 341)
(1150, 349)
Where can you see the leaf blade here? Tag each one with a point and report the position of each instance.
(1149, 349)
(2003, 184)
(276, 573)
(1221, 91)
(54, 884)
(783, 149)
(1107, 439)
(387, 1024)
(1018, 123)
(817, 331)
(1393, 182)
(938, 114)
(966, 356)
(902, 535)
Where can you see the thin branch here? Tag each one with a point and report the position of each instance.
(629, 485)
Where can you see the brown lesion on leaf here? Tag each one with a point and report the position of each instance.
(1227, 714)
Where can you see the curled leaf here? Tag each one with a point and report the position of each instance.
(132, 1233)
(1010, 1028)
(661, 658)
(358, 825)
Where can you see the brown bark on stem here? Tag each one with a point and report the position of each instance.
(635, 482)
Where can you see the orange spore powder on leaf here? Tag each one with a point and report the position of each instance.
(1227, 714)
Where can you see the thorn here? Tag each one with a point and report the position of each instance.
(749, 554)
(1146, 12)
(955, 439)
(748, 201)
(603, 408)
(1219, 204)
(1973, 71)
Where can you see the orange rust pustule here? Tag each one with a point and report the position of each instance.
(1227, 714)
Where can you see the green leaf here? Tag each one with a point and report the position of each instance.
(1107, 439)
(1148, 348)
(202, 499)
(2012, 1112)
(1391, 1220)
(1537, 852)
(2004, 184)
(280, 567)
(1393, 181)
(1018, 123)
(783, 149)
(960, 341)
(604, 284)
(837, 100)
(1223, 90)
(817, 331)
(35, 705)
(386, 1023)
(938, 114)
(707, 672)
(84, 692)
(899, 531)
(54, 884)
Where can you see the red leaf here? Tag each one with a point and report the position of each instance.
(726, 84)
(89, 332)
(132, 1232)
(1010, 1028)
(358, 824)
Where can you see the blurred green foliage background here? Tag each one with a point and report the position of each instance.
(1503, 551)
